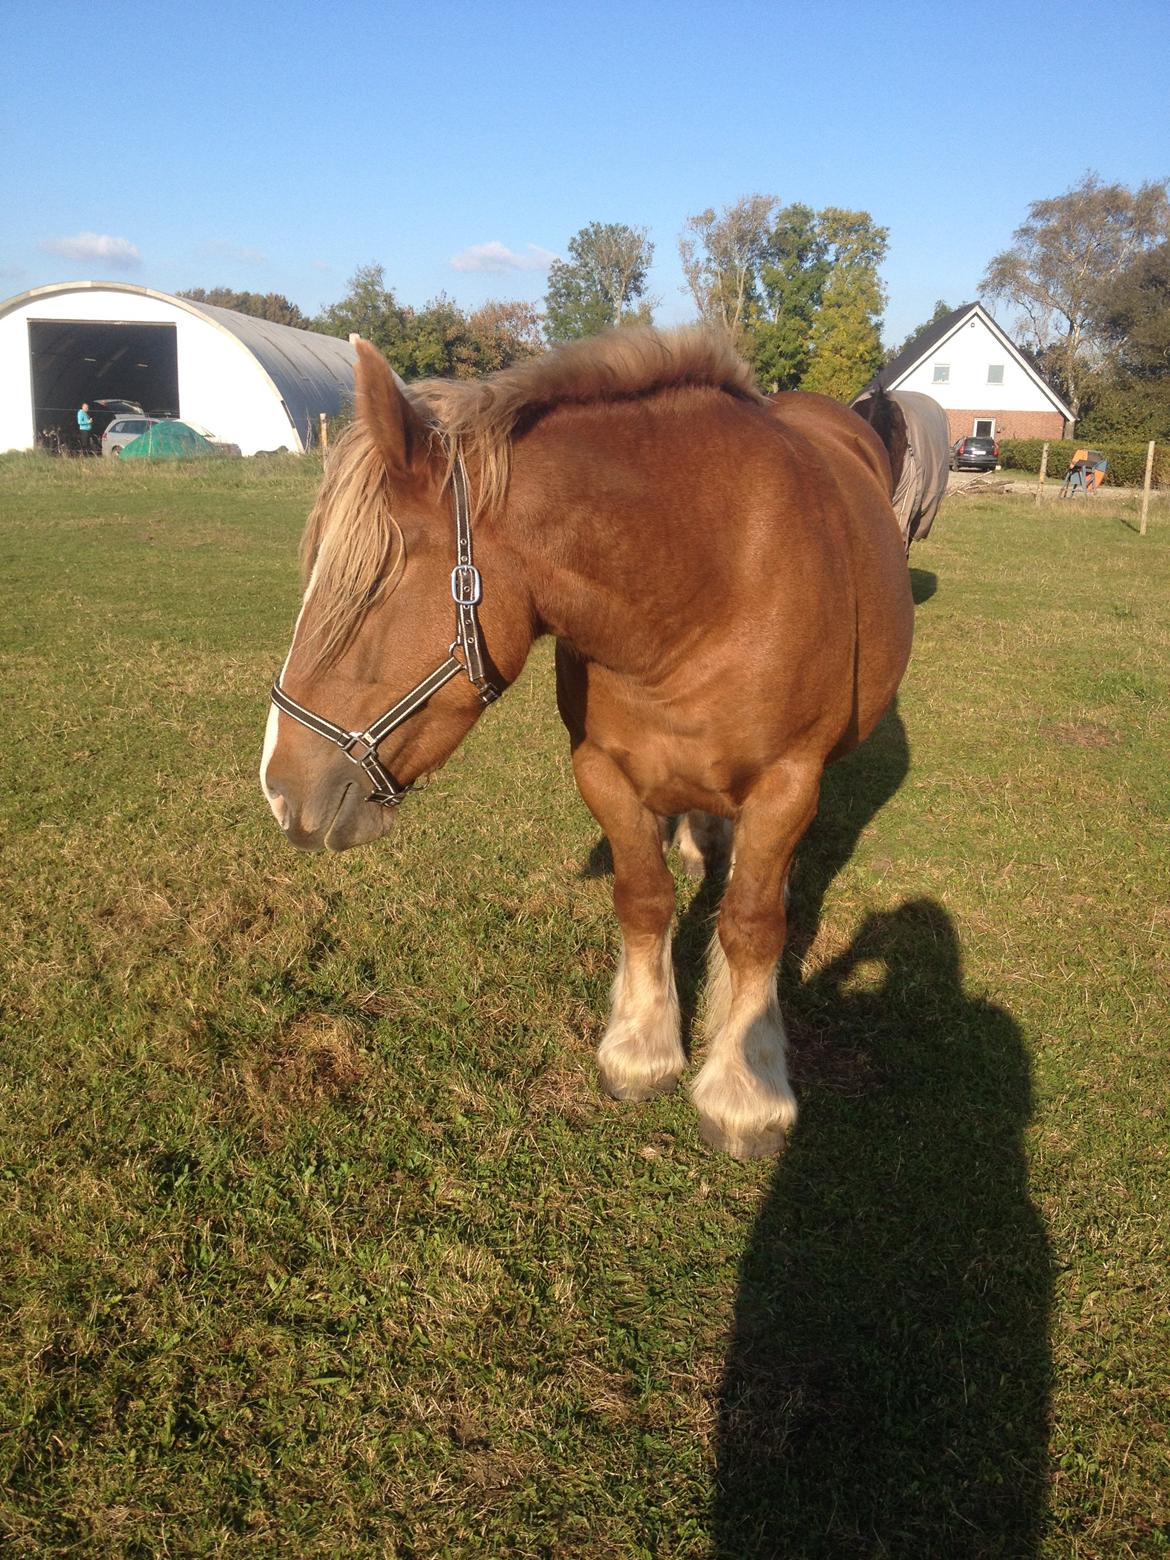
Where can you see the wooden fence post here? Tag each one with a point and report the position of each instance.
(1043, 470)
(324, 435)
(1146, 488)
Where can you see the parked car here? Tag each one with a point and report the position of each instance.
(974, 454)
(123, 430)
(104, 413)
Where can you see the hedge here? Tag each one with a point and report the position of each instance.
(1127, 462)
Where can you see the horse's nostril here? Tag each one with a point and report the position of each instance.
(280, 809)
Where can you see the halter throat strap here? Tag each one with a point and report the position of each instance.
(361, 747)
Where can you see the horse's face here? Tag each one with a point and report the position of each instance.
(399, 630)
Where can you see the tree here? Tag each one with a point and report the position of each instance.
(793, 272)
(602, 284)
(434, 343)
(503, 333)
(1130, 397)
(846, 344)
(263, 306)
(369, 309)
(1065, 258)
(438, 341)
(722, 257)
(1134, 315)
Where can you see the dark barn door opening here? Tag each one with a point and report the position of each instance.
(76, 360)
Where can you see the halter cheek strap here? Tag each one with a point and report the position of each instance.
(361, 747)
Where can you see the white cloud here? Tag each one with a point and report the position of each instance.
(118, 253)
(496, 258)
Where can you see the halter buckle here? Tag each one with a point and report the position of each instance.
(466, 585)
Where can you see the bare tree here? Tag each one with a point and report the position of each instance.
(722, 257)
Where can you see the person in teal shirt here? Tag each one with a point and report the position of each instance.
(85, 427)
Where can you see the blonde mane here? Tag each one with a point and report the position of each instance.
(352, 549)
(621, 365)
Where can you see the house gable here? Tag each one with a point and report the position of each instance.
(969, 365)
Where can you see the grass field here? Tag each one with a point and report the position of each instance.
(317, 1237)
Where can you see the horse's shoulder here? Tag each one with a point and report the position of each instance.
(832, 428)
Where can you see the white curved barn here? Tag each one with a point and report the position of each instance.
(250, 382)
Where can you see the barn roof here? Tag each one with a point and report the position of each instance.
(312, 373)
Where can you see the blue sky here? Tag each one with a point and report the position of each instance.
(460, 145)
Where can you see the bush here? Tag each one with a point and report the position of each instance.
(1127, 462)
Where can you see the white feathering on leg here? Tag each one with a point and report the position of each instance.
(641, 1054)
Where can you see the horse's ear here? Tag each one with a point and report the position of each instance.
(398, 432)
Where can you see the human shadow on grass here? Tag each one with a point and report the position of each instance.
(886, 1386)
(853, 792)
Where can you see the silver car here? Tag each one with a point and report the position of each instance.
(123, 431)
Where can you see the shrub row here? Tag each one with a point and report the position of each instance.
(1127, 462)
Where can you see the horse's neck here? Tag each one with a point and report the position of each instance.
(583, 543)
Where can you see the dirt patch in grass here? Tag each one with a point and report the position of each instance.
(312, 1061)
(1084, 734)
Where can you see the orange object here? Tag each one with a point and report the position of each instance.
(1094, 465)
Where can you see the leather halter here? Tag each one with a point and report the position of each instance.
(361, 747)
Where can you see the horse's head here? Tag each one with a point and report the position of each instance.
(888, 421)
(377, 624)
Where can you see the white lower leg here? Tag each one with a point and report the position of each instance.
(641, 1053)
(742, 1093)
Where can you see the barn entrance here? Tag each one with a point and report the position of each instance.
(79, 360)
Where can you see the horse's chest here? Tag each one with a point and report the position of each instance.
(668, 757)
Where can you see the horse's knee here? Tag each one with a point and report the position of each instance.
(644, 905)
(752, 939)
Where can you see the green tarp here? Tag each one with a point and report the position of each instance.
(167, 441)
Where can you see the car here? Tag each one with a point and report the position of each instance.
(124, 430)
(974, 454)
(104, 413)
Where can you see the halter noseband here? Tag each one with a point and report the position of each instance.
(361, 747)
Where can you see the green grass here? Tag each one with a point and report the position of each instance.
(316, 1235)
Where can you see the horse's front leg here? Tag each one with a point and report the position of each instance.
(745, 1103)
(641, 1053)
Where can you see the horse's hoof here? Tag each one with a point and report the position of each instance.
(636, 1091)
(760, 1144)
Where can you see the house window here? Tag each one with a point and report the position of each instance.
(995, 373)
(942, 373)
(984, 428)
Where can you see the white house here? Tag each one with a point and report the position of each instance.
(982, 381)
(249, 381)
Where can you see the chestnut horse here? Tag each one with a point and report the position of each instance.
(728, 591)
